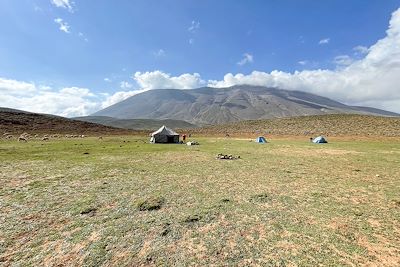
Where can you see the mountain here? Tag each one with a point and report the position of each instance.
(207, 105)
(136, 124)
(349, 125)
(17, 121)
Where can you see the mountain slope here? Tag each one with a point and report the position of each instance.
(214, 106)
(328, 125)
(136, 124)
(17, 121)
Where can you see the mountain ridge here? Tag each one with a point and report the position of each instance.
(207, 105)
(16, 121)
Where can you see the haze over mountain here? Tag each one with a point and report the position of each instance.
(214, 106)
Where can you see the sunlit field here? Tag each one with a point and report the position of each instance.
(121, 201)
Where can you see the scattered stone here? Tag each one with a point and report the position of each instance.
(260, 198)
(86, 153)
(88, 211)
(192, 143)
(223, 156)
(377, 175)
(358, 213)
(166, 229)
(225, 200)
(192, 218)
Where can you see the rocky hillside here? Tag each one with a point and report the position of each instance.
(205, 106)
(16, 122)
(329, 125)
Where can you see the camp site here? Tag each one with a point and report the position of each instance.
(149, 133)
(143, 199)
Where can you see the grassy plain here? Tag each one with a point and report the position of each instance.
(122, 202)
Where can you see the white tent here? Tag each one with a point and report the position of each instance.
(164, 135)
(319, 140)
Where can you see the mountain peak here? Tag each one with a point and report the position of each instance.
(209, 105)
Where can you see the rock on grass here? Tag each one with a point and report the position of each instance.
(151, 203)
(260, 198)
(88, 211)
(192, 218)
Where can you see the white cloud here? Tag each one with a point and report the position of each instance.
(247, 58)
(69, 102)
(362, 50)
(118, 97)
(63, 4)
(8, 86)
(125, 85)
(194, 26)
(159, 53)
(107, 80)
(343, 60)
(160, 80)
(303, 62)
(324, 41)
(76, 91)
(191, 41)
(63, 25)
(80, 34)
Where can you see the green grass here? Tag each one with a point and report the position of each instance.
(285, 203)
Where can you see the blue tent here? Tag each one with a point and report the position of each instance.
(261, 140)
(320, 140)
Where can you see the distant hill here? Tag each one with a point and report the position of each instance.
(328, 125)
(205, 106)
(17, 121)
(137, 124)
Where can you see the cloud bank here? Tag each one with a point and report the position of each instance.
(68, 102)
(370, 78)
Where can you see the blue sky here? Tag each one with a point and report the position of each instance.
(103, 51)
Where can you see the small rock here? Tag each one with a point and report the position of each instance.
(192, 218)
(88, 211)
(152, 203)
